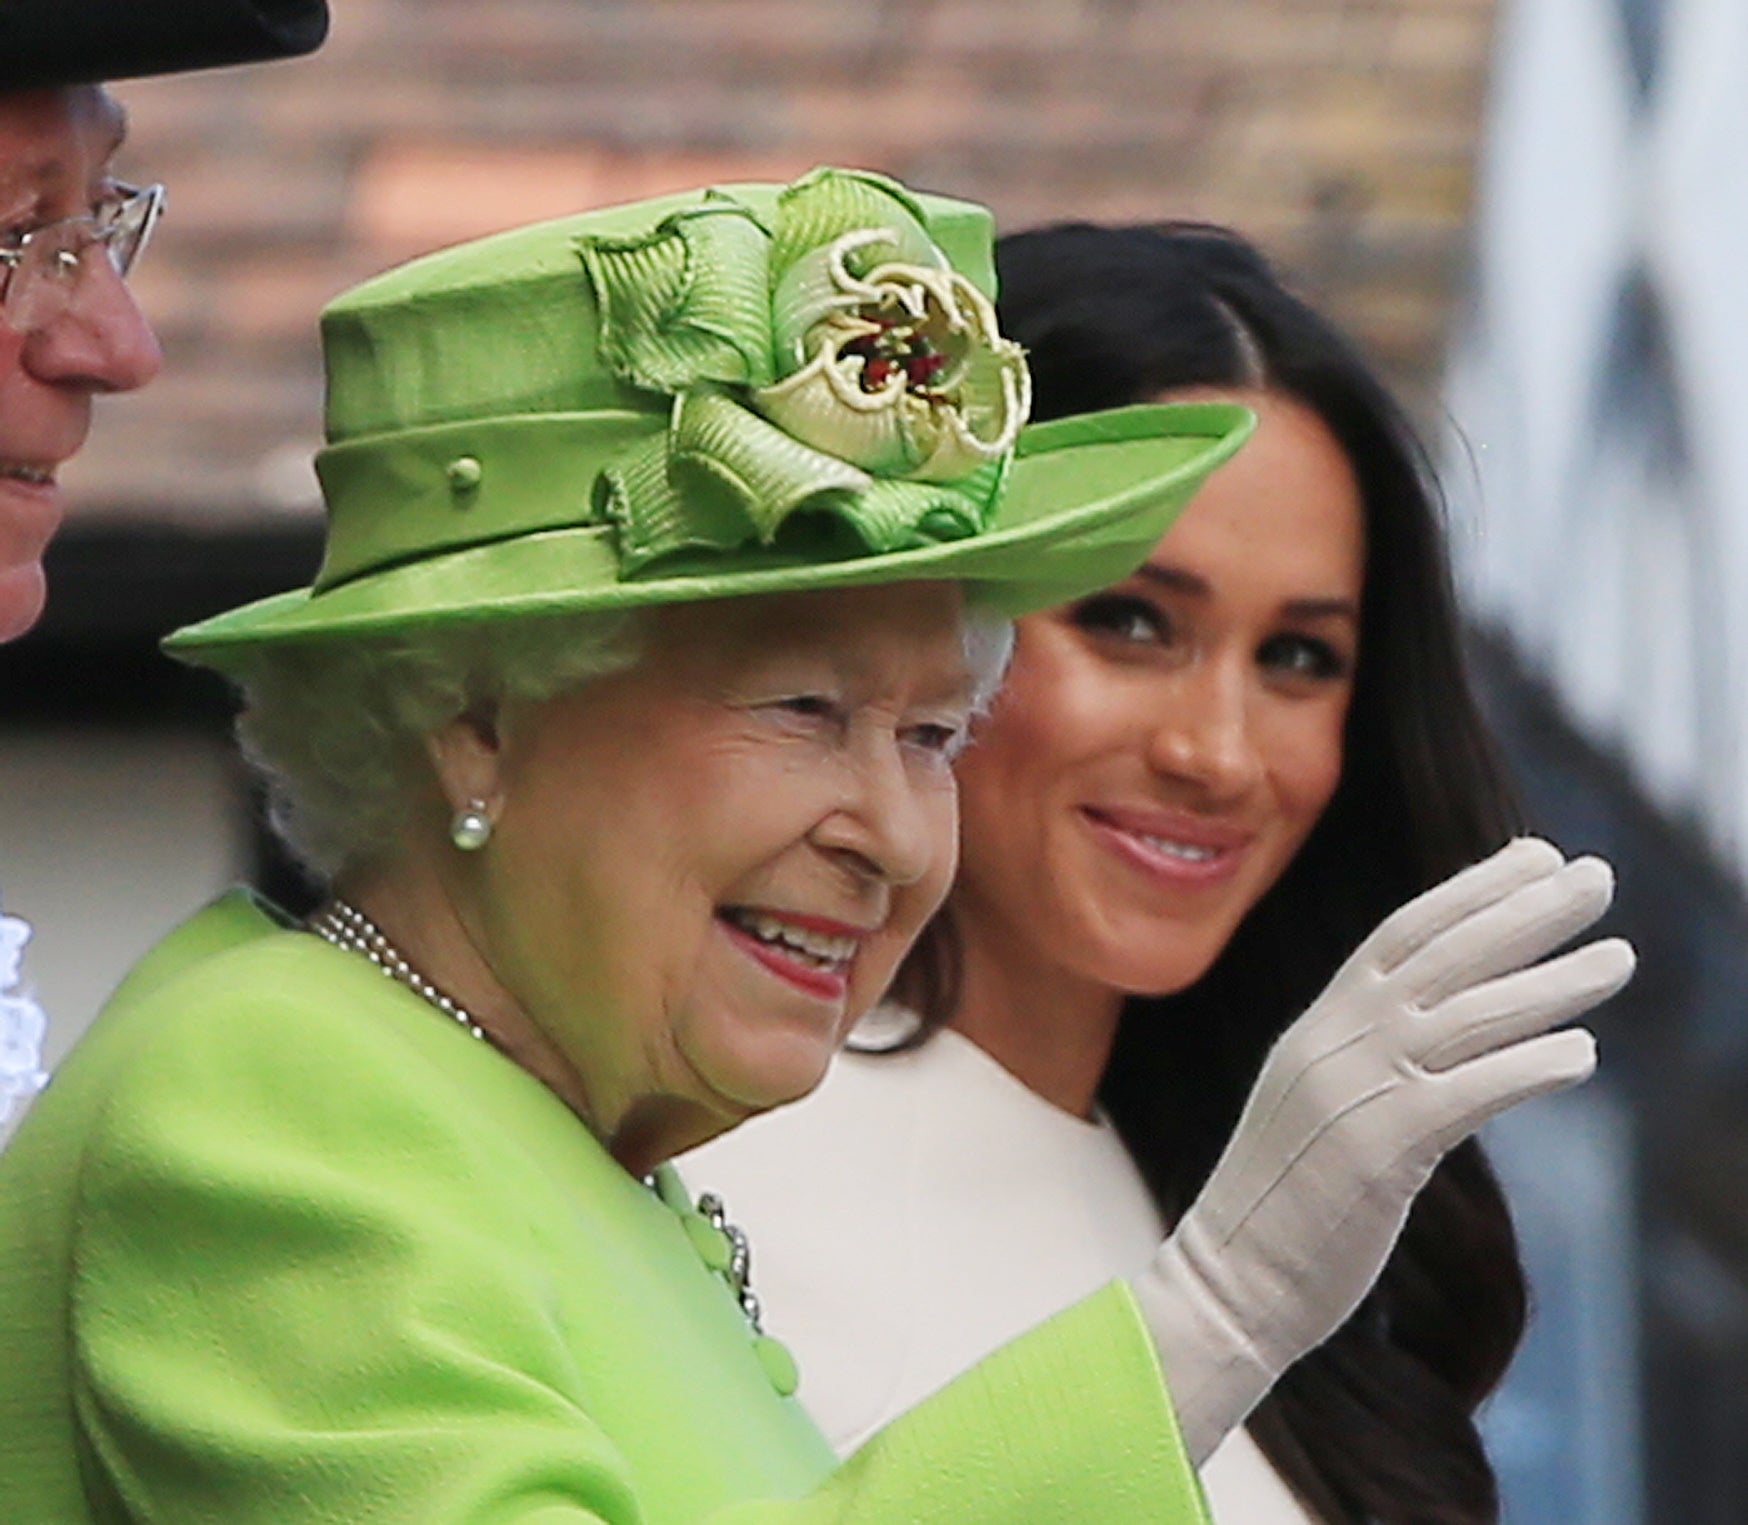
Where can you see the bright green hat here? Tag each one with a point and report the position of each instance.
(749, 390)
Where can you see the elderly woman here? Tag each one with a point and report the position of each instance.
(661, 547)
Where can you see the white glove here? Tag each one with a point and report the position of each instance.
(1430, 1028)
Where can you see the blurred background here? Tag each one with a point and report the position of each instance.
(1532, 213)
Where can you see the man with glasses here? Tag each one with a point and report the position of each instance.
(69, 232)
(69, 328)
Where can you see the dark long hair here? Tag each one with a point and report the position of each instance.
(1377, 1423)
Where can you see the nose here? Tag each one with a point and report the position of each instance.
(883, 827)
(101, 342)
(1205, 735)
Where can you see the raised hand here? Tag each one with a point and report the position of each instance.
(1439, 1020)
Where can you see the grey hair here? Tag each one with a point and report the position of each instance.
(336, 730)
(989, 647)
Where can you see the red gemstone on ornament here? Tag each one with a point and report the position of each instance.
(922, 369)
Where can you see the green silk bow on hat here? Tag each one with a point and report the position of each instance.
(828, 361)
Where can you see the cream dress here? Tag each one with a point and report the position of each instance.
(921, 1209)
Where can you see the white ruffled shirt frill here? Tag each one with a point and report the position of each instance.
(920, 1210)
(23, 1027)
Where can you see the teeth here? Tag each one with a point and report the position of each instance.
(1189, 852)
(818, 947)
(36, 475)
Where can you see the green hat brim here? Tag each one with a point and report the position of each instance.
(1087, 499)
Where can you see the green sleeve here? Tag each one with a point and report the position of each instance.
(1014, 1439)
(296, 1301)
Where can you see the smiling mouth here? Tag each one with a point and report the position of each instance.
(1187, 852)
(1166, 853)
(827, 952)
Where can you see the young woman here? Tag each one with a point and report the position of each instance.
(1197, 792)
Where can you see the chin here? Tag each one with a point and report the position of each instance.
(1164, 970)
(772, 1073)
(23, 591)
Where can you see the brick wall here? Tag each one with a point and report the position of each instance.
(1340, 132)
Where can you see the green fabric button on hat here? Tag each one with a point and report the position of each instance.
(754, 389)
(465, 474)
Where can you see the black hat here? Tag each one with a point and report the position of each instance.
(49, 43)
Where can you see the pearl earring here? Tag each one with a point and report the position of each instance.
(471, 828)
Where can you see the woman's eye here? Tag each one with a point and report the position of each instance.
(809, 706)
(1303, 656)
(1123, 617)
(814, 714)
(937, 739)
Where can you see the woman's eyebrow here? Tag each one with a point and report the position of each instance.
(1322, 609)
(961, 688)
(1176, 579)
(1179, 580)
(951, 685)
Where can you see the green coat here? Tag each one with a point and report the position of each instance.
(281, 1245)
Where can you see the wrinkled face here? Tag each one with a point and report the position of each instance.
(55, 147)
(1162, 749)
(704, 869)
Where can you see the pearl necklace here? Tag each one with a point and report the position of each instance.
(345, 926)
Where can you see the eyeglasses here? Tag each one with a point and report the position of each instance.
(44, 267)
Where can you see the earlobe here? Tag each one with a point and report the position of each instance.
(467, 758)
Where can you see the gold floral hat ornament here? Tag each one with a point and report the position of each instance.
(747, 390)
